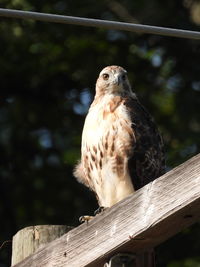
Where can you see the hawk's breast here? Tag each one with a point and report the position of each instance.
(107, 143)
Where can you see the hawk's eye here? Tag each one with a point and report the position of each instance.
(123, 77)
(105, 76)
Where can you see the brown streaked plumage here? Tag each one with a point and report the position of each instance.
(121, 147)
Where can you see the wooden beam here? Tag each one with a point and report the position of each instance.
(151, 215)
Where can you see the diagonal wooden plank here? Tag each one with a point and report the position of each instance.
(148, 217)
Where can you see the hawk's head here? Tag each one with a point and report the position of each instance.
(113, 80)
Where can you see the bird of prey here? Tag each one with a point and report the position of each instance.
(122, 149)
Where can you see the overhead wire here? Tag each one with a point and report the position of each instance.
(114, 25)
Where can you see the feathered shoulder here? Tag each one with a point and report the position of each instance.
(148, 159)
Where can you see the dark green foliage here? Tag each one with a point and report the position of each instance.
(47, 79)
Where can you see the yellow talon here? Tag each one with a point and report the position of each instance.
(85, 218)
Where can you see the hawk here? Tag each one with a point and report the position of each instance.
(122, 149)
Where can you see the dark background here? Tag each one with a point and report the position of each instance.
(47, 80)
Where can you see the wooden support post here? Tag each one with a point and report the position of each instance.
(142, 259)
(30, 239)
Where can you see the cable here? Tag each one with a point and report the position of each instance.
(99, 23)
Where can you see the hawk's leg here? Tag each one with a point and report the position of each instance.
(99, 210)
(87, 218)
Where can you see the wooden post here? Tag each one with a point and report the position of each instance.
(30, 239)
(143, 259)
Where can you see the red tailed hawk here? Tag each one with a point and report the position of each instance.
(121, 147)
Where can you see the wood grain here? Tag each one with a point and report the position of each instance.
(151, 215)
(28, 240)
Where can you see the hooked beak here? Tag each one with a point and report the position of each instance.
(117, 80)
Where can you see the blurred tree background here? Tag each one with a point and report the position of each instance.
(47, 80)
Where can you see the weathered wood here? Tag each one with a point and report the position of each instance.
(154, 213)
(30, 239)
